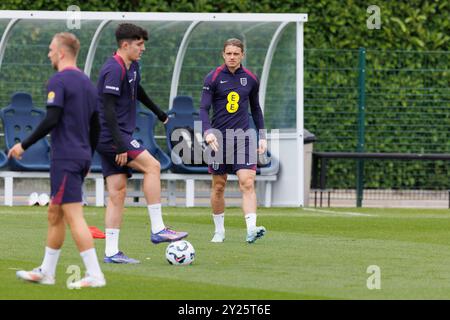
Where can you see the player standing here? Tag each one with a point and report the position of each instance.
(229, 89)
(72, 120)
(119, 89)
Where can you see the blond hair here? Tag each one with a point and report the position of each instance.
(69, 41)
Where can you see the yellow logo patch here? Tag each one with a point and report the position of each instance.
(51, 97)
(233, 99)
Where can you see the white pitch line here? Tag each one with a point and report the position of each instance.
(341, 212)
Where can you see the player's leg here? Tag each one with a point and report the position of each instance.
(45, 273)
(116, 182)
(73, 213)
(219, 182)
(116, 185)
(69, 198)
(150, 167)
(246, 179)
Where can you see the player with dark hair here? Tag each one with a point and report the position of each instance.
(119, 90)
(229, 89)
(72, 120)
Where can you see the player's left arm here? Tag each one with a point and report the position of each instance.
(94, 131)
(257, 115)
(145, 99)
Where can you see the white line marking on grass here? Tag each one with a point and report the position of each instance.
(14, 269)
(345, 213)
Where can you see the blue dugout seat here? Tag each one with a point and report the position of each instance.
(182, 117)
(3, 159)
(96, 163)
(19, 119)
(144, 134)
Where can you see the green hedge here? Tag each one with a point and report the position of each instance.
(415, 25)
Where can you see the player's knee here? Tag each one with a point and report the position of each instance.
(154, 167)
(117, 195)
(247, 185)
(219, 188)
(54, 216)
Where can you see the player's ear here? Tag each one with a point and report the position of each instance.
(61, 53)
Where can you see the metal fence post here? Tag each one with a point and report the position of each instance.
(361, 125)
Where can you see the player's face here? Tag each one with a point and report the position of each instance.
(53, 54)
(233, 56)
(135, 49)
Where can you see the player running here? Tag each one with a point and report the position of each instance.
(119, 89)
(72, 120)
(229, 89)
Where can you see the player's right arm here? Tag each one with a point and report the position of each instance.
(205, 106)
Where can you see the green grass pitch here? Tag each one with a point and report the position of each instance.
(306, 254)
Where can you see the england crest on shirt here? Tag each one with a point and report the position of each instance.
(243, 82)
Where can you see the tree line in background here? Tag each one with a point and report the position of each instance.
(410, 25)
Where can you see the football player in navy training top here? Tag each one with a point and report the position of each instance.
(72, 120)
(119, 90)
(229, 89)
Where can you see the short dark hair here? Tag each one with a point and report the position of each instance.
(129, 32)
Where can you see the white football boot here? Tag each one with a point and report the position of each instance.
(36, 275)
(218, 237)
(88, 282)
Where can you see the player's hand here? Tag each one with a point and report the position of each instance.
(121, 159)
(16, 151)
(262, 146)
(212, 141)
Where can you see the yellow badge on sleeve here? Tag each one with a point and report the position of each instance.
(51, 97)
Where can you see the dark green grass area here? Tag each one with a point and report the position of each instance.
(306, 254)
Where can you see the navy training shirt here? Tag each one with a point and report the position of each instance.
(115, 79)
(230, 95)
(73, 91)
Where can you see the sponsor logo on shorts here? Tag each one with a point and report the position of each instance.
(135, 143)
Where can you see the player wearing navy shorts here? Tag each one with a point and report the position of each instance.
(119, 90)
(230, 89)
(72, 120)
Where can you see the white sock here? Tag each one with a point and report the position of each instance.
(156, 220)
(50, 261)
(112, 242)
(219, 223)
(91, 263)
(250, 220)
